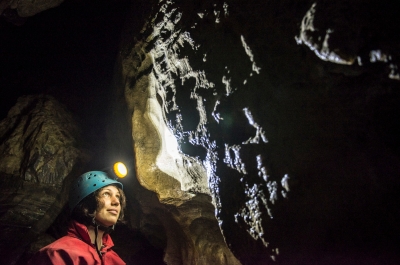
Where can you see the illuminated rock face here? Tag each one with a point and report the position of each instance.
(297, 154)
(179, 180)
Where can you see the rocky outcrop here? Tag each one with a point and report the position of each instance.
(39, 141)
(39, 145)
(186, 213)
(291, 149)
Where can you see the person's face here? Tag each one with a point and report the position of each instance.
(109, 207)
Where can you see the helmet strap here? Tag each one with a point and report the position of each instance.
(96, 231)
(106, 230)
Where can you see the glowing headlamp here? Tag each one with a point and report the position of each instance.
(120, 170)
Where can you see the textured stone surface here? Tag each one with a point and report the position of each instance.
(300, 165)
(39, 143)
(186, 213)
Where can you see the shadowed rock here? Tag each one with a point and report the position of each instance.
(39, 145)
(27, 8)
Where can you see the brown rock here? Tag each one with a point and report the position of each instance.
(39, 153)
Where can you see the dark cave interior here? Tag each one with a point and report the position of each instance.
(67, 52)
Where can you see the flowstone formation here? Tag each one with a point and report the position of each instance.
(291, 150)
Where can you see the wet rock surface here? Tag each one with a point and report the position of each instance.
(297, 165)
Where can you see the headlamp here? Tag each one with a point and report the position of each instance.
(120, 170)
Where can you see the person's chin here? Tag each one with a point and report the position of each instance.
(108, 223)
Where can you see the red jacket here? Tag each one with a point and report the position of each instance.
(76, 249)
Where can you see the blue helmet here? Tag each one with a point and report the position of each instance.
(87, 184)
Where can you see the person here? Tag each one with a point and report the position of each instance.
(97, 203)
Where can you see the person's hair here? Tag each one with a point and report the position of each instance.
(85, 210)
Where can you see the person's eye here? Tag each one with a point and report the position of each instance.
(106, 193)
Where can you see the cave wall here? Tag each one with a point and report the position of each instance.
(256, 133)
(41, 152)
(286, 111)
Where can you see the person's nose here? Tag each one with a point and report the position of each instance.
(115, 200)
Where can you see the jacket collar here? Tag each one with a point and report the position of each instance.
(81, 231)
